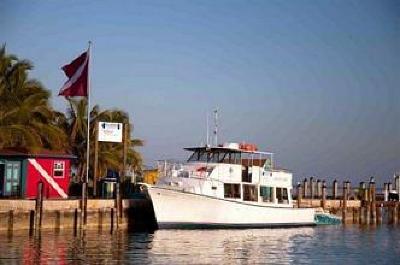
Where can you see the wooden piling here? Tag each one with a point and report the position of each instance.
(361, 217)
(373, 202)
(84, 204)
(299, 195)
(391, 213)
(118, 204)
(100, 219)
(344, 204)
(312, 188)
(334, 189)
(397, 183)
(39, 206)
(31, 221)
(355, 215)
(379, 216)
(390, 186)
(323, 201)
(75, 220)
(361, 191)
(395, 213)
(10, 221)
(367, 214)
(348, 189)
(305, 188)
(319, 189)
(398, 211)
(57, 220)
(385, 192)
(112, 220)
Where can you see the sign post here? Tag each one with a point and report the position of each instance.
(109, 132)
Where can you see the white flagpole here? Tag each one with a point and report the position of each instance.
(88, 118)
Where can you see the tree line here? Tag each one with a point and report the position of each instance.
(29, 123)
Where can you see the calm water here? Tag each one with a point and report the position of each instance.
(319, 245)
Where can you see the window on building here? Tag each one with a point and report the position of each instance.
(250, 193)
(58, 169)
(282, 195)
(267, 194)
(232, 190)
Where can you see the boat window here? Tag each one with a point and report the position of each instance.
(267, 194)
(224, 158)
(282, 195)
(203, 156)
(194, 156)
(247, 174)
(213, 157)
(232, 190)
(250, 193)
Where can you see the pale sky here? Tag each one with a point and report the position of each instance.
(316, 82)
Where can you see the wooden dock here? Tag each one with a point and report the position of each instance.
(359, 205)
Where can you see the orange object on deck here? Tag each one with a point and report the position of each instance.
(248, 147)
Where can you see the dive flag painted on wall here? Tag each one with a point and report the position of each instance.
(77, 72)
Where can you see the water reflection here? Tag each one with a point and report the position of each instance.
(326, 245)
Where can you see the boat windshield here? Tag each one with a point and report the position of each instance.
(224, 157)
(227, 156)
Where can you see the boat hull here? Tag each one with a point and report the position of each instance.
(177, 209)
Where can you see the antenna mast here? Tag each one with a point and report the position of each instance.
(216, 126)
(207, 139)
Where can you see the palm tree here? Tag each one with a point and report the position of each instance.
(27, 120)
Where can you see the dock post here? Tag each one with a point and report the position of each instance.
(355, 215)
(112, 213)
(100, 219)
(323, 204)
(118, 206)
(385, 192)
(348, 188)
(390, 186)
(395, 213)
(10, 225)
(398, 211)
(344, 204)
(39, 206)
(334, 189)
(75, 224)
(368, 214)
(397, 183)
(311, 189)
(379, 218)
(319, 189)
(31, 222)
(84, 204)
(361, 191)
(299, 195)
(305, 188)
(373, 202)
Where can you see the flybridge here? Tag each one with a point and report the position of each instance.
(232, 153)
(233, 147)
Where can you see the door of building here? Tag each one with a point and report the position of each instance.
(12, 178)
(2, 171)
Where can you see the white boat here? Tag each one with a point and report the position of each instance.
(232, 185)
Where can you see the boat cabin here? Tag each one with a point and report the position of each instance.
(231, 171)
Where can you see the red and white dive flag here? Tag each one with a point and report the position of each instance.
(77, 72)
